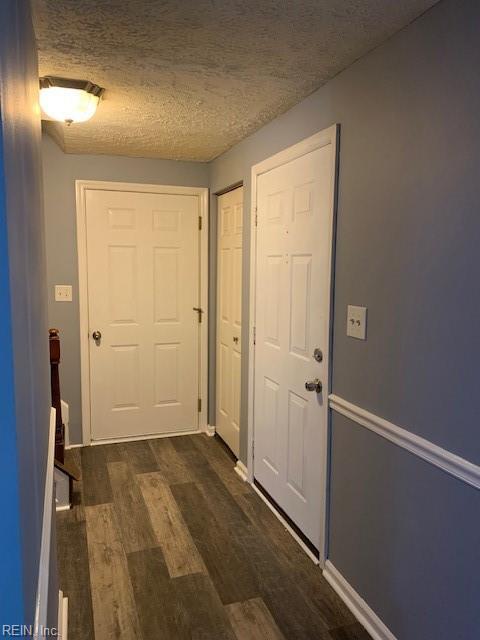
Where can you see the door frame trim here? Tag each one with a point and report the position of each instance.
(81, 186)
(316, 141)
(232, 187)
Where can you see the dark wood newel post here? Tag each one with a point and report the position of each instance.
(54, 341)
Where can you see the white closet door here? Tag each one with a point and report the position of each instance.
(143, 282)
(229, 316)
(294, 207)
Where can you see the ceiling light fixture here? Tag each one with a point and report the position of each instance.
(69, 100)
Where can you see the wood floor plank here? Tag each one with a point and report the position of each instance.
(183, 443)
(170, 464)
(251, 620)
(202, 609)
(261, 516)
(139, 456)
(134, 521)
(95, 479)
(221, 462)
(292, 611)
(351, 632)
(293, 614)
(222, 504)
(114, 610)
(74, 576)
(225, 559)
(330, 608)
(112, 452)
(159, 610)
(181, 554)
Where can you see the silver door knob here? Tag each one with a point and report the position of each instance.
(314, 385)
(97, 336)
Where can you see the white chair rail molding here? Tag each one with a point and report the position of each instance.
(446, 460)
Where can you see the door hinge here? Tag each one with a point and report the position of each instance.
(199, 310)
(254, 335)
(256, 216)
(200, 223)
(199, 405)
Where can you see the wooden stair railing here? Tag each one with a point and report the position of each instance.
(54, 341)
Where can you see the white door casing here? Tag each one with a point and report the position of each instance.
(140, 276)
(293, 194)
(229, 317)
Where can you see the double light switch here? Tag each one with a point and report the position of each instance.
(357, 322)
(63, 293)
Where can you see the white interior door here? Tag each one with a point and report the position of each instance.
(229, 316)
(294, 236)
(143, 282)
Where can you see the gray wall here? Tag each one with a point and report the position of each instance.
(406, 535)
(407, 248)
(24, 377)
(407, 232)
(60, 172)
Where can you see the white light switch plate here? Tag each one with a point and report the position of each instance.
(63, 293)
(357, 322)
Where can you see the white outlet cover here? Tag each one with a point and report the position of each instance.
(357, 322)
(63, 293)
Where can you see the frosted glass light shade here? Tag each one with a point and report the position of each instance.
(67, 104)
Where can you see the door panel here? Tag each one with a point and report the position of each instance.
(229, 317)
(294, 209)
(143, 282)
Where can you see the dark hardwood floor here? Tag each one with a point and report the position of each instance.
(165, 542)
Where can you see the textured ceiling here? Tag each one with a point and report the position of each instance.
(187, 79)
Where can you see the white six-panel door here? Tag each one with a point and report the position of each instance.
(293, 261)
(229, 316)
(143, 282)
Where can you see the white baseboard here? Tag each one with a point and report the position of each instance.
(241, 470)
(210, 430)
(41, 605)
(153, 436)
(357, 605)
(62, 626)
